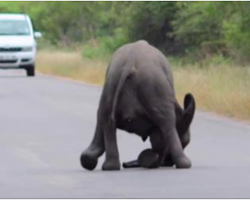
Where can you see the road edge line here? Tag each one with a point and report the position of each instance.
(69, 79)
(207, 112)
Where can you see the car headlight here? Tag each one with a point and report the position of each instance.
(27, 48)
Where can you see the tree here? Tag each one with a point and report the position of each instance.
(152, 21)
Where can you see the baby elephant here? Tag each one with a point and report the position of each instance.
(138, 96)
(150, 158)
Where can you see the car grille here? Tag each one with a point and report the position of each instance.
(7, 61)
(10, 49)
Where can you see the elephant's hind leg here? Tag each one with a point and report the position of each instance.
(89, 157)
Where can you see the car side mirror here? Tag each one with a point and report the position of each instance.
(38, 34)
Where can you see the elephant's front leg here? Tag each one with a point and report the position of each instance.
(169, 148)
(158, 146)
(179, 159)
(167, 139)
(157, 157)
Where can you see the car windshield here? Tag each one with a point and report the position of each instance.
(14, 27)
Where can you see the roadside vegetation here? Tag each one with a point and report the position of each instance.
(222, 89)
(207, 43)
(217, 86)
(71, 65)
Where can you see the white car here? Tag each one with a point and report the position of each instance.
(17, 43)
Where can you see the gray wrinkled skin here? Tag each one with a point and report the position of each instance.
(138, 96)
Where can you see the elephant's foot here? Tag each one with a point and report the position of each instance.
(131, 164)
(111, 164)
(148, 159)
(182, 162)
(88, 162)
(89, 158)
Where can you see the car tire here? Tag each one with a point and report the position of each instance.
(30, 70)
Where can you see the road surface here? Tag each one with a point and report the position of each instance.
(45, 123)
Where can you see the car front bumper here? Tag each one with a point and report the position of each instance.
(12, 60)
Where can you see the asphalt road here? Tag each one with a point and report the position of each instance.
(45, 123)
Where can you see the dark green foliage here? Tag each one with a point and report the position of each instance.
(199, 30)
(198, 27)
(208, 28)
(152, 21)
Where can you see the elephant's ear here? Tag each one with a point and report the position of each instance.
(189, 110)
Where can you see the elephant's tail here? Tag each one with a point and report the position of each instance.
(127, 71)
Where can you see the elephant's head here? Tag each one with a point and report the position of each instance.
(184, 119)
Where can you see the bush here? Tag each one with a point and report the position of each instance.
(237, 36)
(43, 43)
(103, 47)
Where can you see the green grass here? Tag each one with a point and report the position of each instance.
(217, 87)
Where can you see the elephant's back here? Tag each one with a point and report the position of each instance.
(141, 60)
